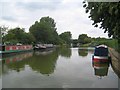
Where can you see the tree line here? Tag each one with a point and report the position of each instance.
(43, 31)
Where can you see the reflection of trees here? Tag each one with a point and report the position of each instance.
(43, 63)
(13, 66)
(83, 52)
(100, 69)
(65, 52)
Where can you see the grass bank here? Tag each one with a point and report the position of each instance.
(113, 43)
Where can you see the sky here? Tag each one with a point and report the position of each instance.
(69, 15)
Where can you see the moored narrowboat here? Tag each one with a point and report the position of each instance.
(101, 54)
(5, 49)
(43, 46)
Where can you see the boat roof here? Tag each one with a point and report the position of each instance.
(101, 46)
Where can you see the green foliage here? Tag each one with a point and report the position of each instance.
(45, 31)
(66, 37)
(3, 30)
(84, 39)
(107, 14)
(18, 35)
(109, 42)
(75, 42)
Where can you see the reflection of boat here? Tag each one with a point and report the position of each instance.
(101, 54)
(44, 52)
(100, 69)
(17, 57)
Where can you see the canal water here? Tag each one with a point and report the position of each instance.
(56, 68)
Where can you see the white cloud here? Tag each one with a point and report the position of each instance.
(69, 15)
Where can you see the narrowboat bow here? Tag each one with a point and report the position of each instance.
(101, 54)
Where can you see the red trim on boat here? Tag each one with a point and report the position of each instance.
(100, 60)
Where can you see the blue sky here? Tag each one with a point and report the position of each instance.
(69, 15)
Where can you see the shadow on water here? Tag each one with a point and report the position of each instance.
(41, 61)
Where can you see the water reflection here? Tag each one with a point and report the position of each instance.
(15, 62)
(41, 61)
(46, 69)
(65, 52)
(44, 62)
(83, 52)
(100, 69)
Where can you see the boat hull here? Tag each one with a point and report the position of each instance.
(100, 59)
(15, 49)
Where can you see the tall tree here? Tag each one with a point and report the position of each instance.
(84, 39)
(66, 37)
(107, 14)
(45, 31)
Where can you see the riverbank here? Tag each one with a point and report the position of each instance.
(115, 60)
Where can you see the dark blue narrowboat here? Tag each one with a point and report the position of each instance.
(101, 54)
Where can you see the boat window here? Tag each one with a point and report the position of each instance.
(101, 51)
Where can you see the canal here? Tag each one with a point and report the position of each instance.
(57, 68)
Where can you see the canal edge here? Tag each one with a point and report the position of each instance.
(115, 63)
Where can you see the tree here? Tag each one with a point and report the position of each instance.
(18, 35)
(45, 31)
(66, 37)
(107, 14)
(84, 39)
(75, 42)
(3, 30)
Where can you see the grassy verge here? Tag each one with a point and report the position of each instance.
(113, 43)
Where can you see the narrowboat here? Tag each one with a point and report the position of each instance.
(6, 49)
(39, 47)
(101, 54)
(43, 46)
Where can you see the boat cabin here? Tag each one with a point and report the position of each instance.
(101, 50)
